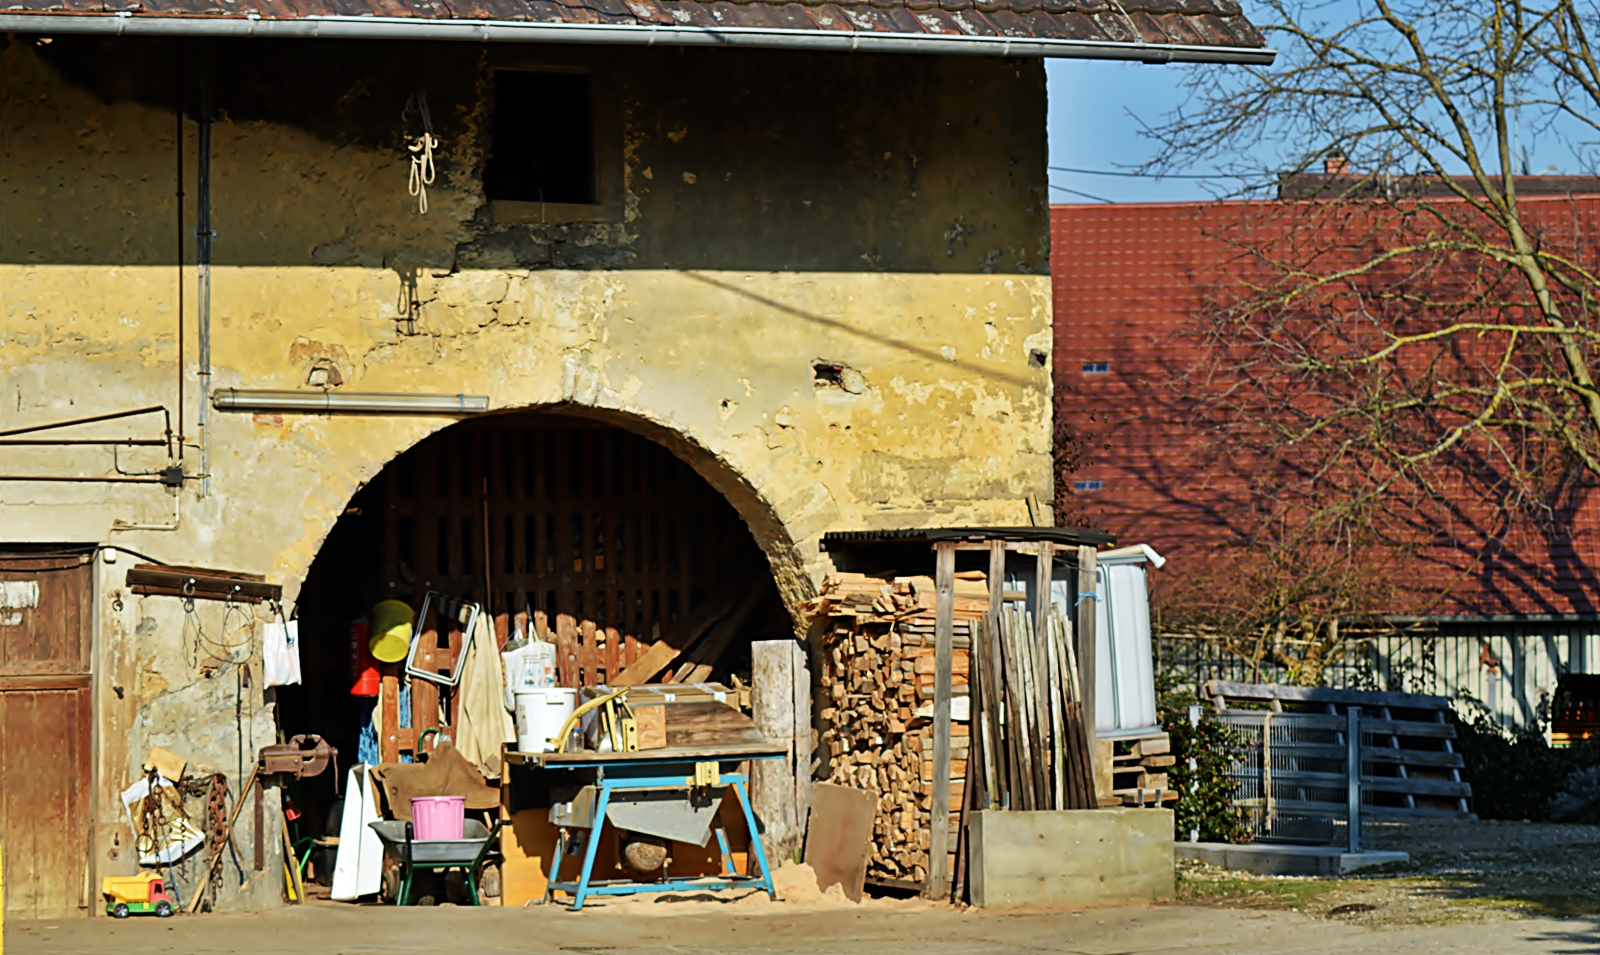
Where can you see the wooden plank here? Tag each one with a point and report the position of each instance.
(710, 724)
(707, 652)
(1084, 625)
(1265, 692)
(938, 886)
(589, 653)
(200, 583)
(613, 654)
(839, 837)
(45, 681)
(389, 718)
(567, 651)
(678, 637)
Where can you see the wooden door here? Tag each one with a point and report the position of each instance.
(45, 719)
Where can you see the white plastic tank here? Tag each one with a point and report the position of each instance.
(540, 713)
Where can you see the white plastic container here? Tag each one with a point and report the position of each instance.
(540, 713)
(529, 667)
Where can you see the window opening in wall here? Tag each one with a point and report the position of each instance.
(1097, 368)
(1090, 485)
(543, 140)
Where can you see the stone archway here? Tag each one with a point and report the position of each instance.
(608, 525)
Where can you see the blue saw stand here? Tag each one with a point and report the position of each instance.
(678, 770)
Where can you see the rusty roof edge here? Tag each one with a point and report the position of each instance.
(416, 28)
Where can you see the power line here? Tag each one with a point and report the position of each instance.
(1141, 175)
(1083, 194)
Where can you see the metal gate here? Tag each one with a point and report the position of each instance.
(1294, 779)
(45, 719)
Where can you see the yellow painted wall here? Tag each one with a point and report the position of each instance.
(764, 211)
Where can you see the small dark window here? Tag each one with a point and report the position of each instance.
(1097, 368)
(1090, 485)
(543, 148)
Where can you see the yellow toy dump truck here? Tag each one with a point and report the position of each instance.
(142, 894)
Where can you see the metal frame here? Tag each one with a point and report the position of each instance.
(669, 774)
(420, 621)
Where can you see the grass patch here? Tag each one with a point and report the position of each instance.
(1285, 893)
(1556, 905)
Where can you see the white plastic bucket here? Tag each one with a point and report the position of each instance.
(540, 713)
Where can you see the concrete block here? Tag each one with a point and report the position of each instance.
(1265, 858)
(1071, 858)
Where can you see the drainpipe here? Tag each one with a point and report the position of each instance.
(203, 236)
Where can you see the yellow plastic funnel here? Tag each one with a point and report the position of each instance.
(391, 630)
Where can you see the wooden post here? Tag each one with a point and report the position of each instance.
(2, 901)
(944, 583)
(772, 781)
(801, 680)
(1086, 640)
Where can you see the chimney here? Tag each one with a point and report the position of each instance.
(1334, 163)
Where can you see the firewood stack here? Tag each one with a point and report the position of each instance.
(875, 687)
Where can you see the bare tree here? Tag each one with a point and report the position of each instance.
(1403, 348)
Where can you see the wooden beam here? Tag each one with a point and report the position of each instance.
(704, 655)
(1087, 562)
(944, 583)
(678, 638)
(772, 789)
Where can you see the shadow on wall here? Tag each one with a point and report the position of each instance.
(703, 159)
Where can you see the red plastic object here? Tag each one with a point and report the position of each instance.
(363, 669)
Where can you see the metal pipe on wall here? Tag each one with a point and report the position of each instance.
(177, 151)
(202, 257)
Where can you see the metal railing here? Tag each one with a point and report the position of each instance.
(1299, 775)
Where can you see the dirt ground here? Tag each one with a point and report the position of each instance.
(712, 929)
(1471, 889)
(1459, 872)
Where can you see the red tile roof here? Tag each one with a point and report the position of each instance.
(1130, 287)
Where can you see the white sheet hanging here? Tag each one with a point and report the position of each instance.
(358, 867)
(280, 652)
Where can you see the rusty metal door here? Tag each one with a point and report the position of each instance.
(45, 720)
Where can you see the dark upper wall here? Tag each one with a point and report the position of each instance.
(713, 159)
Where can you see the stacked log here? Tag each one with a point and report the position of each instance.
(875, 688)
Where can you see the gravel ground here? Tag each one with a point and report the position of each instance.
(1459, 872)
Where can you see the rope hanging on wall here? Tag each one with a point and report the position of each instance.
(420, 145)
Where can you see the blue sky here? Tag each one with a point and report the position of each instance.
(1097, 109)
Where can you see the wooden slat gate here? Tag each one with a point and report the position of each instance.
(45, 733)
(593, 536)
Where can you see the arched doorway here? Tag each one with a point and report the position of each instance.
(557, 524)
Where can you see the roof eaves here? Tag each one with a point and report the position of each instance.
(128, 23)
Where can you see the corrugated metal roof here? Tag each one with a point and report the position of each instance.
(1157, 23)
(1131, 285)
(844, 540)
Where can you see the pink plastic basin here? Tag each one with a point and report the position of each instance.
(438, 817)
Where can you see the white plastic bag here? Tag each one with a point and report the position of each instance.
(280, 652)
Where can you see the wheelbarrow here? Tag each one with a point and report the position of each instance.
(437, 855)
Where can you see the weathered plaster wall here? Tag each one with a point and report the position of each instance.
(770, 210)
